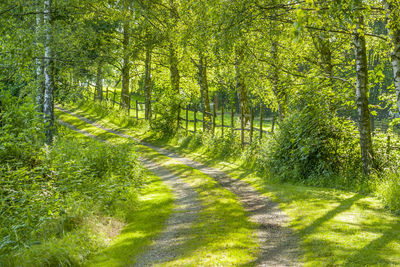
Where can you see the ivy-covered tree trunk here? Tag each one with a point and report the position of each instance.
(48, 103)
(99, 80)
(148, 83)
(391, 8)
(241, 87)
(367, 154)
(126, 66)
(39, 60)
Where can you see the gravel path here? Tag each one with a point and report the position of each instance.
(177, 231)
(278, 244)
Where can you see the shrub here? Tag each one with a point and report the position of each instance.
(312, 144)
(21, 131)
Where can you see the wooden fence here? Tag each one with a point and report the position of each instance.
(207, 120)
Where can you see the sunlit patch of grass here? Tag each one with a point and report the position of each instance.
(155, 204)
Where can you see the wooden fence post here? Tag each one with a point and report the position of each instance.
(388, 148)
(187, 119)
(242, 126)
(251, 124)
(204, 120)
(214, 115)
(232, 119)
(137, 110)
(129, 105)
(178, 117)
(115, 92)
(273, 123)
(261, 121)
(195, 119)
(222, 120)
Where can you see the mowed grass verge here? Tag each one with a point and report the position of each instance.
(222, 235)
(336, 227)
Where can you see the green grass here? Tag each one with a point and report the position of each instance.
(223, 235)
(335, 227)
(143, 224)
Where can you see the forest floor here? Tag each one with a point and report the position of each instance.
(333, 227)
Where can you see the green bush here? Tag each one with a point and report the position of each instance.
(387, 187)
(21, 131)
(312, 145)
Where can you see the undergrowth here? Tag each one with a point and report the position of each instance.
(51, 196)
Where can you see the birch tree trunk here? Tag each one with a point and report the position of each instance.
(126, 66)
(48, 110)
(394, 31)
(99, 80)
(148, 83)
(367, 154)
(39, 60)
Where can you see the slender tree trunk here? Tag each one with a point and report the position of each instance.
(203, 83)
(39, 60)
(241, 87)
(148, 83)
(279, 91)
(173, 67)
(395, 38)
(367, 154)
(175, 79)
(125, 67)
(99, 80)
(48, 110)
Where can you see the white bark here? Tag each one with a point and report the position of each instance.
(48, 111)
(39, 61)
(394, 31)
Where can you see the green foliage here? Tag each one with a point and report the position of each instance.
(66, 185)
(312, 144)
(21, 132)
(387, 187)
(167, 115)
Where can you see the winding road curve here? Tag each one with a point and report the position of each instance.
(278, 244)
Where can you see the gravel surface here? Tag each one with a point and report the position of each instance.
(278, 244)
(177, 232)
